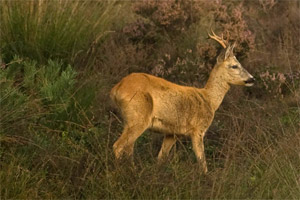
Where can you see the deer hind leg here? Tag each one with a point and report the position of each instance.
(125, 144)
(198, 147)
(137, 117)
(168, 142)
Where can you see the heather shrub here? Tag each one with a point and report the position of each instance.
(276, 54)
(171, 17)
(173, 36)
(161, 26)
(231, 18)
(278, 84)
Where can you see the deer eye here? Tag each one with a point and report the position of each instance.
(234, 66)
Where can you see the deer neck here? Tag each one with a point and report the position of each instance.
(216, 88)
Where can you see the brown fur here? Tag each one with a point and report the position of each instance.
(149, 102)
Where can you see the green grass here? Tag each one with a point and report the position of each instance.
(67, 30)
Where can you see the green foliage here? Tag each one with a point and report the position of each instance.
(56, 86)
(44, 92)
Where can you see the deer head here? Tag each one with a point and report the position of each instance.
(228, 65)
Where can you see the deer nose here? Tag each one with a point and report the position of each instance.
(250, 80)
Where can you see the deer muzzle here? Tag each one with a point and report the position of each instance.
(250, 81)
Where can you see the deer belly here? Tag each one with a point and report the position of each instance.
(170, 127)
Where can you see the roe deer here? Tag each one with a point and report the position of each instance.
(149, 102)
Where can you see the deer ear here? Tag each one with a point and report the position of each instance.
(232, 47)
(229, 52)
(226, 53)
(221, 56)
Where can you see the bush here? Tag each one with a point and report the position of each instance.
(172, 37)
(40, 93)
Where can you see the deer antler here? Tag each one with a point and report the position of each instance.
(219, 39)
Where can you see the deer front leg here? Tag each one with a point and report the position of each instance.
(168, 142)
(198, 147)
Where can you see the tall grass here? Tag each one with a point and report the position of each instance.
(64, 30)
